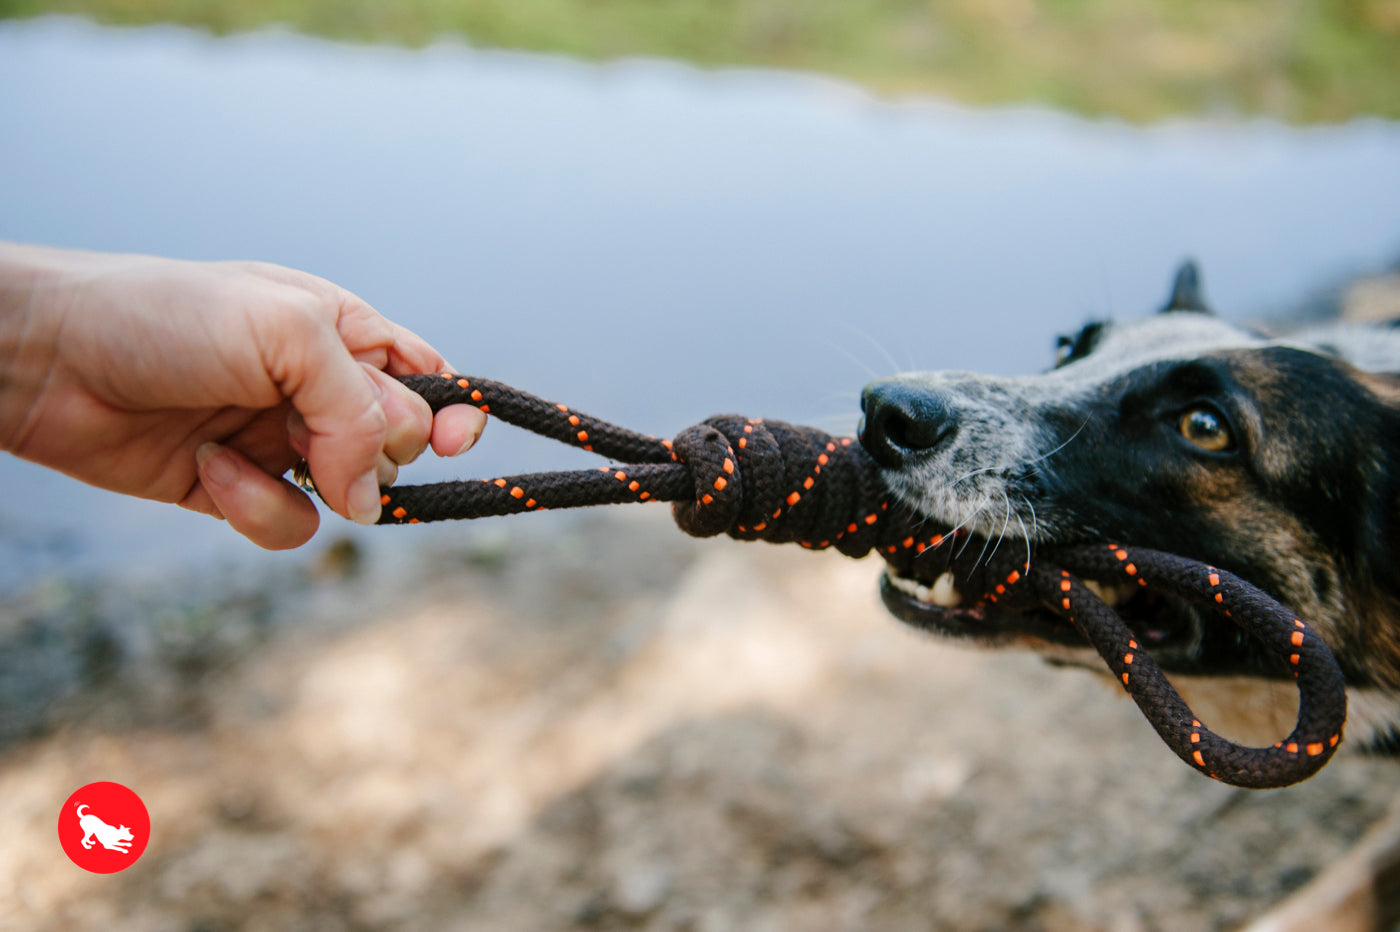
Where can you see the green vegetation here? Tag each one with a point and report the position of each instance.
(1303, 60)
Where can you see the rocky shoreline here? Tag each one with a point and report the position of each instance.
(603, 724)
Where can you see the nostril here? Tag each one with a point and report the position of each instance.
(918, 430)
(895, 428)
(902, 420)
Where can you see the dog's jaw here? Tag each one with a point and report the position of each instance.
(954, 595)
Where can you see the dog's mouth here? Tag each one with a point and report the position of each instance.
(958, 590)
(953, 591)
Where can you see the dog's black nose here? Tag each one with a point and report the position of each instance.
(902, 421)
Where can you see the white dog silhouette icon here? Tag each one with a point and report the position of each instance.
(113, 838)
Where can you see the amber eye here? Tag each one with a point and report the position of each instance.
(1206, 428)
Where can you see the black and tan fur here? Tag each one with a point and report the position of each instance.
(1303, 501)
(1122, 441)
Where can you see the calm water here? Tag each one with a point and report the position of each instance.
(644, 240)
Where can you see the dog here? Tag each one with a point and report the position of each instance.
(113, 838)
(1277, 459)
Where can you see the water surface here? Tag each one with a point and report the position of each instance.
(647, 241)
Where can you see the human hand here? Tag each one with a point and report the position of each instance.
(203, 383)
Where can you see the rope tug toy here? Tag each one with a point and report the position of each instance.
(757, 479)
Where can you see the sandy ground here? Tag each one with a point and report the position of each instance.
(616, 727)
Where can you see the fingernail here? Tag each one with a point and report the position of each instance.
(363, 500)
(475, 435)
(216, 466)
(471, 442)
(374, 385)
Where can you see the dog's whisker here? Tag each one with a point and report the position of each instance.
(1035, 523)
(1025, 534)
(975, 472)
(893, 365)
(1005, 523)
(1021, 469)
(961, 524)
(968, 523)
(985, 544)
(870, 372)
(1045, 456)
(880, 348)
(957, 529)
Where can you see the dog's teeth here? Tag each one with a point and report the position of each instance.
(909, 587)
(945, 592)
(903, 583)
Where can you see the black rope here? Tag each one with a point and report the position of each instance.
(750, 478)
(756, 479)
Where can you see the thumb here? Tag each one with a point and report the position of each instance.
(340, 404)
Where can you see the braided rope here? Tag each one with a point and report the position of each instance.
(757, 479)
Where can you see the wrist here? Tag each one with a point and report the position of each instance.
(32, 286)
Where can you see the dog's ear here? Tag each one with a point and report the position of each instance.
(1186, 290)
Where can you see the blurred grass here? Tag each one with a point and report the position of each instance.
(1300, 60)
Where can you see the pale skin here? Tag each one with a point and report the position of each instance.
(202, 384)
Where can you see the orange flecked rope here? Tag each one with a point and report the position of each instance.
(756, 479)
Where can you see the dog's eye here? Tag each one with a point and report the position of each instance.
(1206, 428)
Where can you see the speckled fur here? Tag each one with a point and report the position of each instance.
(1304, 506)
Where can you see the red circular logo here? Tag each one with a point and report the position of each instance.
(104, 827)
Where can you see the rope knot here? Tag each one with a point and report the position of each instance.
(719, 487)
(757, 479)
